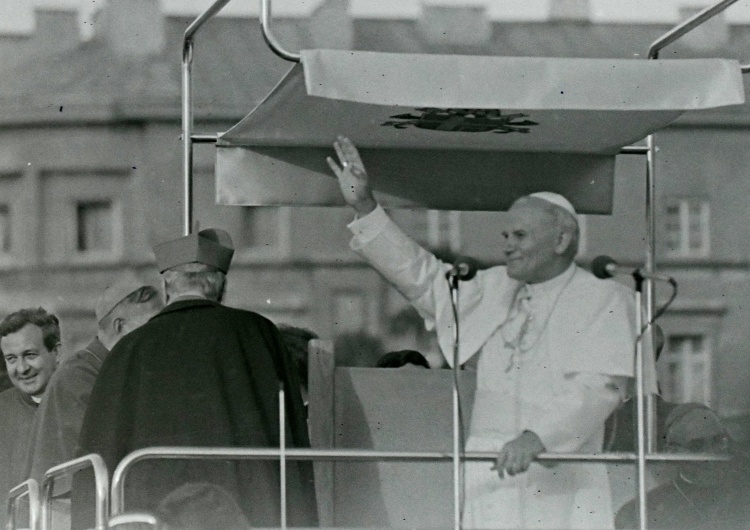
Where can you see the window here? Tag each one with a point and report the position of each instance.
(687, 228)
(685, 369)
(83, 216)
(5, 229)
(95, 226)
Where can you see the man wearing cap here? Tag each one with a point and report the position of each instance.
(554, 345)
(125, 305)
(200, 374)
(698, 495)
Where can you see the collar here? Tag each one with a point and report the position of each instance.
(536, 289)
(96, 349)
(182, 303)
(25, 398)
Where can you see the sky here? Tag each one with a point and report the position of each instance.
(16, 16)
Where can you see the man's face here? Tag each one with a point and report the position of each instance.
(30, 364)
(530, 240)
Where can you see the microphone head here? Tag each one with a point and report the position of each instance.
(600, 267)
(464, 269)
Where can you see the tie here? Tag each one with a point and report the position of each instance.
(514, 329)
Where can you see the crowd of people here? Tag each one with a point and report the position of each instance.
(552, 346)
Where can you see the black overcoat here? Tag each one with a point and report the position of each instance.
(201, 374)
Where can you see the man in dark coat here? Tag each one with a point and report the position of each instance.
(200, 374)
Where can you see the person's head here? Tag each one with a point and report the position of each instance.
(695, 428)
(30, 345)
(196, 264)
(194, 279)
(125, 305)
(403, 359)
(541, 238)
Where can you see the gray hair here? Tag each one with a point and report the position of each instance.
(194, 278)
(564, 220)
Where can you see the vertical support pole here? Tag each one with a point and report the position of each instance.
(282, 450)
(640, 409)
(650, 264)
(456, 414)
(187, 137)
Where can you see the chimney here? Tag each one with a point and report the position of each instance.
(569, 10)
(455, 25)
(710, 36)
(133, 29)
(331, 26)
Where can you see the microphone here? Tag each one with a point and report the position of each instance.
(604, 267)
(463, 269)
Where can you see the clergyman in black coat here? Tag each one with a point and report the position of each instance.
(200, 374)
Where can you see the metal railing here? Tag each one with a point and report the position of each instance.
(30, 489)
(67, 469)
(689, 25)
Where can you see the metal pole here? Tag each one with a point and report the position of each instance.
(456, 414)
(640, 420)
(273, 43)
(649, 297)
(187, 112)
(28, 488)
(101, 483)
(361, 455)
(187, 140)
(687, 26)
(282, 454)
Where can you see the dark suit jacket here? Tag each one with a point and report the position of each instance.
(201, 374)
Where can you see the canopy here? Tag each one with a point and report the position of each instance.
(460, 132)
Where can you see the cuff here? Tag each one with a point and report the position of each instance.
(366, 228)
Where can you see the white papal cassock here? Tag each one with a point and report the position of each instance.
(559, 375)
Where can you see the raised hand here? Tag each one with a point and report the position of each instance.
(352, 177)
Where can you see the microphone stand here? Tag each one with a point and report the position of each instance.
(453, 282)
(639, 397)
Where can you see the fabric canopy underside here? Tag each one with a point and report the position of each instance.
(460, 132)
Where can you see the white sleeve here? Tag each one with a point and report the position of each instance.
(401, 261)
(574, 415)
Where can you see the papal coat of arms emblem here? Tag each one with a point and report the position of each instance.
(463, 120)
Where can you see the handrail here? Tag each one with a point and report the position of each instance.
(28, 487)
(689, 25)
(359, 455)
(269, 37)
(202, 19)
(101, 483)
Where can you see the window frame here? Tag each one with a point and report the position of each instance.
(685, 230)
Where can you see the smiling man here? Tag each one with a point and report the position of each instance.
(30, 345)
(554, 346)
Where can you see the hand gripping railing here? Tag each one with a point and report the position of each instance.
(30, 489)
(101, 482)
(689, 25)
